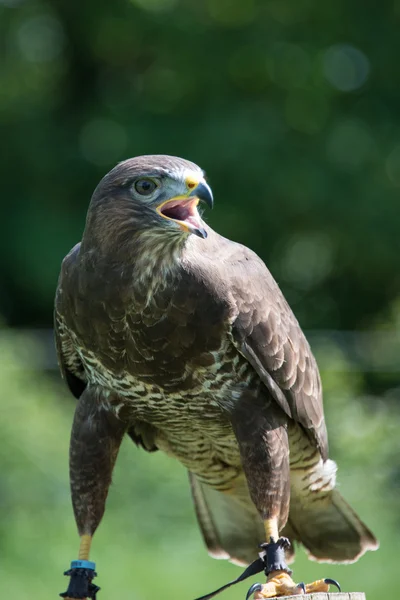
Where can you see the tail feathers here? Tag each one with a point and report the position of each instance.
(230, 524)
(322, 520)
(319, 518)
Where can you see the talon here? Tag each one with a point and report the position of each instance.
(333, 582)
(256, 587)
(302, 586)
(284, 542)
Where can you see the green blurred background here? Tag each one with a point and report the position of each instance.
(292, 108)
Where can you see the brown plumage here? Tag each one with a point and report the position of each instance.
(181, 338)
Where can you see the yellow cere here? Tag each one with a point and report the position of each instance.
(192, 181)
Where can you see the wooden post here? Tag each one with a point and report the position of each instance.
(324, 596)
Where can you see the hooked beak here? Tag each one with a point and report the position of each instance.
(203, 192)
(183, 209)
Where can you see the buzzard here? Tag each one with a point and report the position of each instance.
(181, 339)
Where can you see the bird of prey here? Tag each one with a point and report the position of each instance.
(181, 339)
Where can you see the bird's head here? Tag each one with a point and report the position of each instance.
(150, 195)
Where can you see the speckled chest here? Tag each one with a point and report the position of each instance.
(170, 359)
(206, 385)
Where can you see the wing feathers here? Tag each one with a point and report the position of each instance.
(267, 333)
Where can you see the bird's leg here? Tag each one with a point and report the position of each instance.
(261, 430)
(95, 440)
(279, 581)
(84, 547)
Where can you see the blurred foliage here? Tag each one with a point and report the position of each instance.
(292, 109)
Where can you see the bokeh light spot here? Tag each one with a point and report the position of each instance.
(103, 141)
(345, 67)
(41, 38)
(307, 260)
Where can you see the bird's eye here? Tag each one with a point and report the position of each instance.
(145, 186)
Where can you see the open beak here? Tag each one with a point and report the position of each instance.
(183, 209)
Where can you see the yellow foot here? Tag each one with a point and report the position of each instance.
(279, 583)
